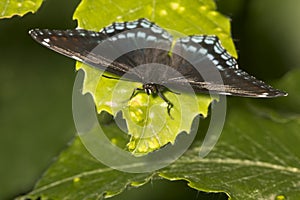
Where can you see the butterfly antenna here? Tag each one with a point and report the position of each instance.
(110, 77)
(118, 78)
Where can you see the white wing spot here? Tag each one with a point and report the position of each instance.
(130, 35)
(46, 44)
(76, 58)
(145, 24)
(218, 49)
(121, 36)
(141, 34)
(109, 29)
(192, 48)
(156, 29)
(119, 26)
(209, 40)
(225, 93)
(230, 62)
(166, 35)
(263, 94)
(151, 38)
(197, 39)
(93, 34)
(220, 67)
(46, 40)
(40, 32)
(59, 33)
(215, 62)
(203, 51)
(113, 38)
(185, 40)
(225, 56)
(210, 56)
(131, 25)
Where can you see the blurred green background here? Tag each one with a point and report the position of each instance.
(36, 84)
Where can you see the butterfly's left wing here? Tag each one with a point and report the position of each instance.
(76, 44)
(116, 48)
(207, 66)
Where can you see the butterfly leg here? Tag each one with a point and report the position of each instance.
(135, 92)
(174, 91)
(170, 105)
(154, 89)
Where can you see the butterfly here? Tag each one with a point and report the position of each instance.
(198, 60)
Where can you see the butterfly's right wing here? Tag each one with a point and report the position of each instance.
(207, 66)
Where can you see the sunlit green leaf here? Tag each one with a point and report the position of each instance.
(147, 119)
(9, 8)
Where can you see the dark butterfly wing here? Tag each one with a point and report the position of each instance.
(108, 48)
(140, 46)
(76, 44)
(207, 66)
(120, 47)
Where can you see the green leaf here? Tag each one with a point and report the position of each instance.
(147, 119)
(200, 16)
(160, 129)
(256, 157)
(9, 8)
(291, 104)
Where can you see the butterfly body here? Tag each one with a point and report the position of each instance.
(200, 60)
